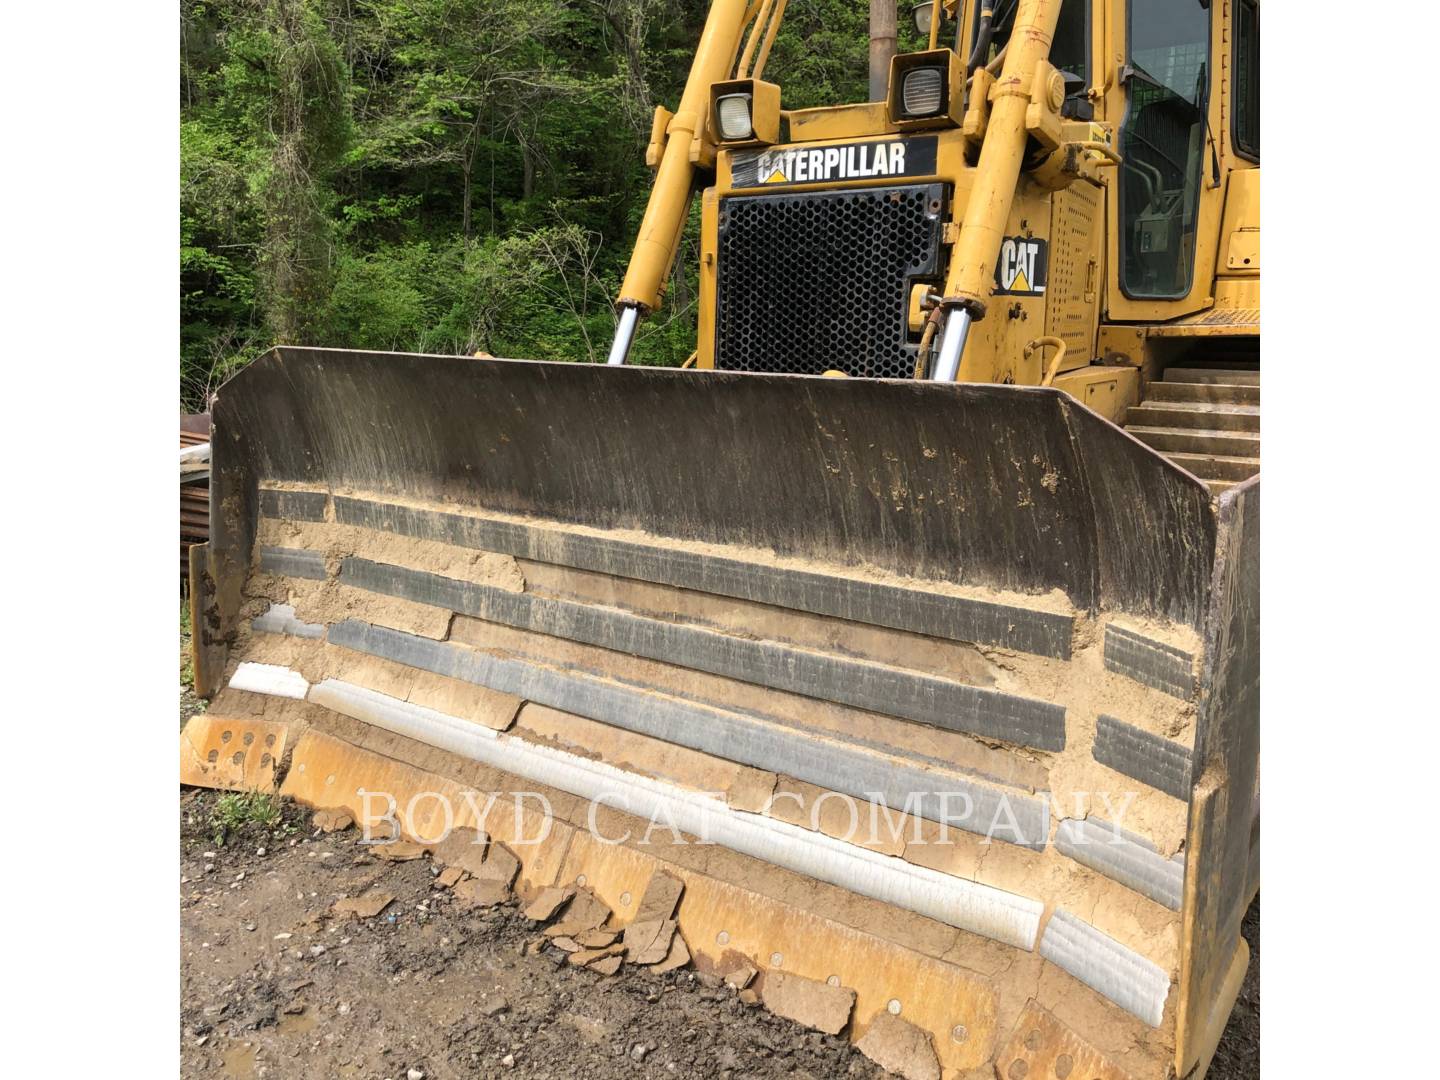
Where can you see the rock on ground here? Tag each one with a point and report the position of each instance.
(311, 993)
(450, 991)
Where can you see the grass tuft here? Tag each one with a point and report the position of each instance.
(187, 662)
(235, 811)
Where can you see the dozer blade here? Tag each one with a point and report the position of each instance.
(940, 700)
(231, 754)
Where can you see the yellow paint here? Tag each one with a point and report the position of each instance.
(997, 175)
(991, 198)
(1211, 202)
(665, 213)
(1058, 344)
(840, 122)
(954, 81)
(1107, 390)
(1038, 1044)
(718, 918)
(1240, 227)
(1238, 293)
(231, 754)
(771, 29)
(764, 110)
(709, 244)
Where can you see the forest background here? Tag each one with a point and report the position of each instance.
(444, 176)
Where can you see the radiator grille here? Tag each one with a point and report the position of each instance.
(811, 282)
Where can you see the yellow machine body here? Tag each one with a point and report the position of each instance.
(645, 625)
(1067, 199)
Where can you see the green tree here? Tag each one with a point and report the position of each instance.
(442, 175)
(308, 127)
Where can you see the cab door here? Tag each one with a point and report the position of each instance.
(1166, 199)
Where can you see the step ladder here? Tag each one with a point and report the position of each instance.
(1206, 420)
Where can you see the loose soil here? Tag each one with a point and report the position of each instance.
(273, 986)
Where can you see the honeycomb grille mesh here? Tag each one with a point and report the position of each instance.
(811, 282)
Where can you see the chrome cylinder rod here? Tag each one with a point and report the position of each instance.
(624, 334)
(952, 346)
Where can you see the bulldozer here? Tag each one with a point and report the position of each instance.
(911, 629)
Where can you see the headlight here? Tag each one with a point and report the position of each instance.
(923, 13)
(923, 91)
(733, 111)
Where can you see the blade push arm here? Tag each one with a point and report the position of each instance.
(972, 263)
(669, 203)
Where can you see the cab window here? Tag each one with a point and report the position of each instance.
(1164, 144)
(1246, 133)
(1070, 51)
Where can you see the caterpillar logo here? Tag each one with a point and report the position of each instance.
(1022, 267)
(885, 159)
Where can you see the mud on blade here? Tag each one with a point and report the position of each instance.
(959, 680)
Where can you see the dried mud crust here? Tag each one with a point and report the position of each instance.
(415, 986)
(1083, 684)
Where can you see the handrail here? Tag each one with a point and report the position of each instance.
(770, 32)
(1054, 368)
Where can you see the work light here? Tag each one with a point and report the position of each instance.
(923, 91)
(923, 13)
(733, 111)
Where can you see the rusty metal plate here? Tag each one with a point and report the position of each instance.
(229, 754)
(1040, 1046)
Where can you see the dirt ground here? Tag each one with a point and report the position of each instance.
(273, 986)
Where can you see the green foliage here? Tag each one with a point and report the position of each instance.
(821, 55)
(238, 812)
(187, 660)
(441, 175)
(375, 302)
